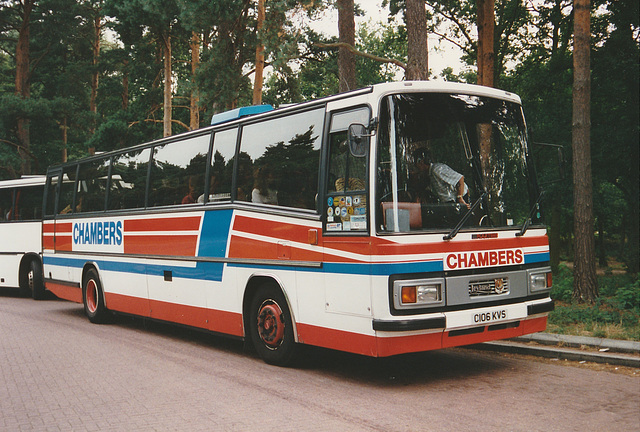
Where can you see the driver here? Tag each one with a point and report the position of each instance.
(446, 183)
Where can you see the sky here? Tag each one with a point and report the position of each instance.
(441, 54)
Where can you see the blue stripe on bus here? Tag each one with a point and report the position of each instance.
(382, 269)
(536, 257)
(203, 270)
(215, 233)
(213, 271)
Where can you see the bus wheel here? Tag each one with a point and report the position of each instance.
(35, 280)
(270, 326)
(93, 299)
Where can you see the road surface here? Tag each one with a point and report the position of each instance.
(60, 372)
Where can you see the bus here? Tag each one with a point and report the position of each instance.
(21, 235)
(326, 223)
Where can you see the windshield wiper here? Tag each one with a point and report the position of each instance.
(465, 218)
(527, 222)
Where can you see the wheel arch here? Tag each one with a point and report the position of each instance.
(253, 284)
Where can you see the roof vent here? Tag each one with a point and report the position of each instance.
(237, 113)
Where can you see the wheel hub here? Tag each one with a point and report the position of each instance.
(271, 324)
(92, 296)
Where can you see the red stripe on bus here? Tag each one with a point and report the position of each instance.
(368, 345)
(280, 230)
(173, 245)
(189, 223)
(127, 304)
(487, 335)
(388, 346)
(461, 246)
(65, 292)
(63, 243)
(337, 339)
(63, 228)
(214, 320)
(240, 247)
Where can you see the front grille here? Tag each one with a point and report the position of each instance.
(497, 286)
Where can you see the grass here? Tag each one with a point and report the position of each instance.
(615, 315)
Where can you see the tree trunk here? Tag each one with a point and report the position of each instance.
(23, 87)
(257, 83)
(194, 112)
(585, 288)
(125, 85)
(486, 29)
(166, 45)
(93, 107)
(417, 46)
(347, 34)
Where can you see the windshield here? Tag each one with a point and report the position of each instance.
(441, 156)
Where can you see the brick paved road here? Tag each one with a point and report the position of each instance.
(59, 372)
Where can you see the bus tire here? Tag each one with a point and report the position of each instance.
(270, 326)
(31, 279)
(93, 299)
(35, 279)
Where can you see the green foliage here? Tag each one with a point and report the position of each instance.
(562, 284)
(628, 296)
(618, 306)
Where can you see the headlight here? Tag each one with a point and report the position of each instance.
(540, 280)
(410, 294)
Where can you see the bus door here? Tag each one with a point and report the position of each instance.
(346, 218)
(52, 189)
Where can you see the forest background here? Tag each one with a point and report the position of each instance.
(85, 76)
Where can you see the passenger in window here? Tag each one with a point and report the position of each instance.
(447, 184)
(190, 197)
(215, 193)
(67, 209)
(263, 187)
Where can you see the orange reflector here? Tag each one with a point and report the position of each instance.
(409, 294)
(549, 280)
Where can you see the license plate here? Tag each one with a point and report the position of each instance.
(485, 316)
(490, 316)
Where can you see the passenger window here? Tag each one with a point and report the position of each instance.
(346, 204)
(221, 172)
(177, 172)
(92, 186)
(29, 202)
(128, 182)
(65, 202)
(279, 160)
(52, 184)
(6, 204)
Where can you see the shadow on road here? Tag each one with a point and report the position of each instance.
(406, 369)
(15, 292)
(390, 371)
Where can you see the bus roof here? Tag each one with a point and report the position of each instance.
(24, 181)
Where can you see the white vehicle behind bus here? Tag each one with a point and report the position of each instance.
(21, 235)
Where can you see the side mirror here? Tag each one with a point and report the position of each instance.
(358, 140)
